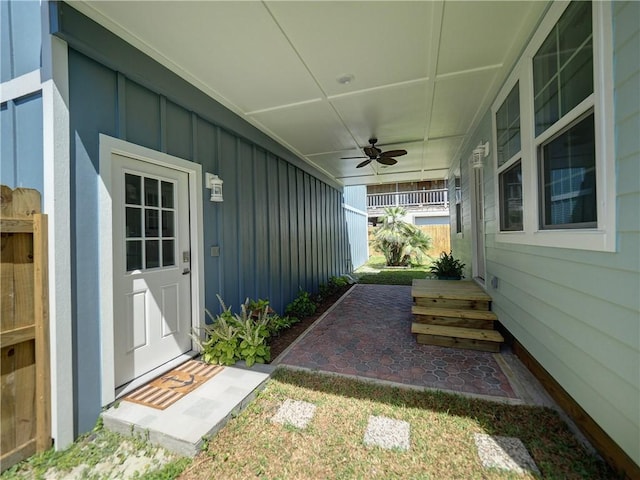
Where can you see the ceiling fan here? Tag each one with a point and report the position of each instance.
(374, 153)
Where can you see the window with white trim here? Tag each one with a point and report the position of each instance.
(553, 131)
(507, 120)
(567, 166)
(562, 81)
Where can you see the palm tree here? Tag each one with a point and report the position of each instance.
(399, 240)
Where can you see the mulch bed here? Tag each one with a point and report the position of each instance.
(280, 342)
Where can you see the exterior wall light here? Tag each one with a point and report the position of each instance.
(215, 184)
(481, 151)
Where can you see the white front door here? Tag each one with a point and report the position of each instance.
(151, 266)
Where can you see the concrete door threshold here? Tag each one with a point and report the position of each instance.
(184, 426)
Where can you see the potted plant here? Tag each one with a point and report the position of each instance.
(446, 267)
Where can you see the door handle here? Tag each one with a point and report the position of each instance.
(186, 271)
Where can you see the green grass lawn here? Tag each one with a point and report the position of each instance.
(441, 441)
(376, 271)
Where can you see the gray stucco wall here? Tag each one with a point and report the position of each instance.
(281, 226)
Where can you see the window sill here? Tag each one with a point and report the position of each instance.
(594, 240)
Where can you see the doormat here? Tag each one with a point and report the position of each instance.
(172, 386)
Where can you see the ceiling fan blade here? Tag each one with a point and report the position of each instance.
(393, 153)
(364, 164)
(350, 158)
(387, 160)
(372, 152)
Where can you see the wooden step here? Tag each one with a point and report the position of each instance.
(454, 317)
(459, 337)
(458, 294)
(448, 303)
(452, 289)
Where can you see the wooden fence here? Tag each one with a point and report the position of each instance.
(25, 411)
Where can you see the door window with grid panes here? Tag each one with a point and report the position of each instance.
(149, 222)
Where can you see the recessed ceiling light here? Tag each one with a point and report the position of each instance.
(346, 79)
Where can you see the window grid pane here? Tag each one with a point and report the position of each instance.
(150, 237)
(151, 197)
(134, 255)
(568, 170)
(152, 254)
(508, 126)
(133, 189)
(511, 199)
(167, 194)
(563, 66)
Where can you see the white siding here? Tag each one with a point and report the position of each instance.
(578, 312)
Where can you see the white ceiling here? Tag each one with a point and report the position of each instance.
(423, 71)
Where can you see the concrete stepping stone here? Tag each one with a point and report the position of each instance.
(507, 453)
(295, 413)
(387, 433)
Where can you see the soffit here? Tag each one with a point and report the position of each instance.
(424, 72)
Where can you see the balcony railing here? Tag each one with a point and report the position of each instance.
(418, 198)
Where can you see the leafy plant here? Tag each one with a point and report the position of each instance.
(277, 323)
(398, 240)
(253, 334)
(302, 306)
(334, 285)
(257, 306)
(232, 337)
(447, 266)
(221, 344)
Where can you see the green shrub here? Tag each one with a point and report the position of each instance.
(221, 344)
(446, 266)
(302, 306)
(333, 286)
(232, 337)
(336, 283)
(324, 291)
(256, 306)
(253, 334)
(277, 323)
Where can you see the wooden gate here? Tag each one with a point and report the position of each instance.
(24, 327)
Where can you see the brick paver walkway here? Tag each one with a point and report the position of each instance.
(368, 334)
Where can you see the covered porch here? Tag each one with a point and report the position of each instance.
(365, 336)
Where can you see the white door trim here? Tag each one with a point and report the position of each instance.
(109, 146)
(479, 265)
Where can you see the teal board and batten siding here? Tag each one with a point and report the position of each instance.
(280, 228)
(578, 312)
(21, 141)
(355, 211)
(20, 38)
